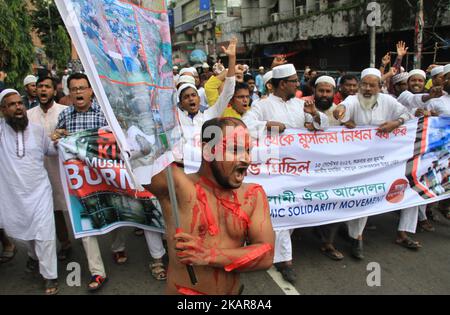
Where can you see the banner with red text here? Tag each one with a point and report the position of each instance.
(310, 178)
(98, 189)
(315, 178)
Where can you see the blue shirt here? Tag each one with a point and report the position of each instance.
(74, 121)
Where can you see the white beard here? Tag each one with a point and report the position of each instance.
(367, 102)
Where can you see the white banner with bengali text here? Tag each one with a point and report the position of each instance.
(315, 178)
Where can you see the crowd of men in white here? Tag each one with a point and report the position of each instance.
(30, 208)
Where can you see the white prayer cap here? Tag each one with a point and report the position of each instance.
(194, 71)
(261, 68)
(6, 92)
(437, 70)
(205, 65)
(188, 70)
(267, 77)
(29, 79)
(447, 69)
(175, 67)
(283, 71)
(417, 72)
(184, 87)
(371, 71)
(186, 79)
(326, 79)
(399, 77)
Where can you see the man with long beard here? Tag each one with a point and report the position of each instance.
(323, 100)
(274, 114)
(225, 225)
(371, 108)
(27, 206)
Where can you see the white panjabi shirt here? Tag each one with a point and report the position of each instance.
(385, 109)
(26, 211)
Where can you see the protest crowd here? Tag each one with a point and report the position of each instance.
(250, 101)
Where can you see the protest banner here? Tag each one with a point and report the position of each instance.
(315, 178)
(125, 48)
(98, 188)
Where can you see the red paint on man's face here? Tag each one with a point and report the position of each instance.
(232, 157)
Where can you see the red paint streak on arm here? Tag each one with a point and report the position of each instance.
(252, 256)
(188, 291)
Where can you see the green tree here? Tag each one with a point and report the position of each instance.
(51, 30)
(16, 47)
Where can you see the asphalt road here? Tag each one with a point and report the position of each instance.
(401, 271)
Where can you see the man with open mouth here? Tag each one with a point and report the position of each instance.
(27, 206)
(225, 225)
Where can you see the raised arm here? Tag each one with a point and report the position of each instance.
(228, 89)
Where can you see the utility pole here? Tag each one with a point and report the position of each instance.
(418, 38)
(214, 40)
(373, 36)
(373, 20)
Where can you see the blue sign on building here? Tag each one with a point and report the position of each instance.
(204, 5)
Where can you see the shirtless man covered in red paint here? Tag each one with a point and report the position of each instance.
(226, 226)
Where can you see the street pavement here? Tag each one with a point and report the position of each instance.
(402, 271)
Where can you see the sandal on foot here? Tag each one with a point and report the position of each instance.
(8, 255)
(32, 265)
(425, 225)
(332, 253)
(408, 243)
(158, 271)
(51, 287)
(99, 281)
(120, 257)
(287, 272)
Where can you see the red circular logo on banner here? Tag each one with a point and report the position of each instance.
(397, 191)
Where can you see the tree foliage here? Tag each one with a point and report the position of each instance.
(16, 48)
(51, 30)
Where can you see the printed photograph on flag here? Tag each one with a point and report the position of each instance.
(98, 189)
(433, 164)
(125, 47)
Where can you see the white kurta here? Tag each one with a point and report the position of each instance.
(49, 120)
(273, 108)
(290, 113)
(412, 101)
(440, 105)
(212, 112)
(26, 210)
(386, 109)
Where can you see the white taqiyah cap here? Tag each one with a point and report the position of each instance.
(447, 69)
(371, 71)
(283, 71)
(326, 79)
(6, 92)
(399, 77)
(205, 65)
(183, 87)
(437, 70)
(175, 68)
(417, 72)
(188, 70)
(267, 77)
(29, 79)
(186, 79)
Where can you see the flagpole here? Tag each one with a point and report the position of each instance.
(174, 203)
